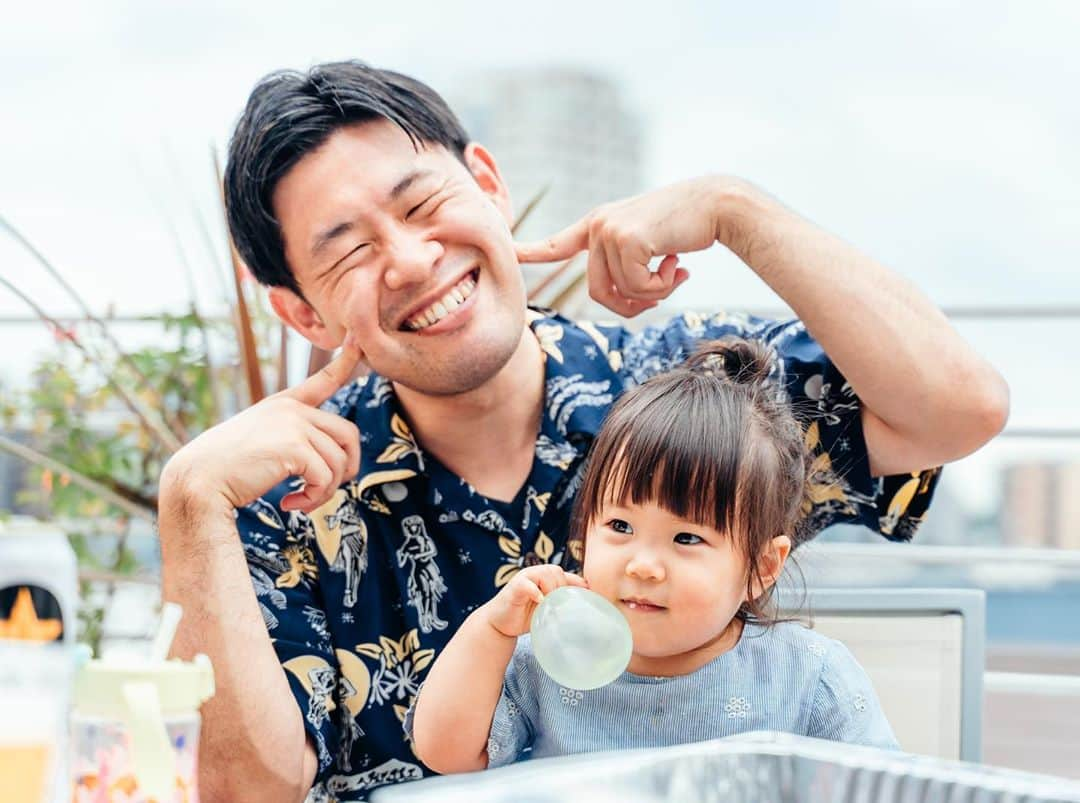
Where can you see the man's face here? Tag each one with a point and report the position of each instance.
(409, 250)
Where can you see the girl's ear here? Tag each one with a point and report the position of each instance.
(770, 564)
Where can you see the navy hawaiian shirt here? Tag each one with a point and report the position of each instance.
(360, 595)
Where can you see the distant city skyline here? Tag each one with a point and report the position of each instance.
(1041, 504)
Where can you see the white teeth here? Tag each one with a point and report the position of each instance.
(441, 308)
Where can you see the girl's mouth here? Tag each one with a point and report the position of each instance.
(641, 605)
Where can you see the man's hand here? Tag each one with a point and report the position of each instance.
(623, 237)
(254, 745)
(510, 611)
(283, 435)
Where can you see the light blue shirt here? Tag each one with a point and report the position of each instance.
(784, 678)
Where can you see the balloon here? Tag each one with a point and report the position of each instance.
(580, 639)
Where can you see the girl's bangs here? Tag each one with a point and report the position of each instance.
(683, 463)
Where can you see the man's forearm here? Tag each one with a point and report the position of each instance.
(908, 365)
(252, 745)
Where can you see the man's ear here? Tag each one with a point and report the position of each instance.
(770, 564)
(301, 316)
(486, 172)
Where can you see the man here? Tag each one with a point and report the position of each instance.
(323, 556)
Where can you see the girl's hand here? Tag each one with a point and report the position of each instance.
(511, 610)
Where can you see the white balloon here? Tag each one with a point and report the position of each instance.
(580, 639)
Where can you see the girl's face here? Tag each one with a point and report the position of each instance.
(679, 584)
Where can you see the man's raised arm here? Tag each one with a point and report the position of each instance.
(927, 397)
(253, 744)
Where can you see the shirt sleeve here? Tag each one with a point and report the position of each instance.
(841, 488)
(283, 571)
(511, 727)
(846, 707)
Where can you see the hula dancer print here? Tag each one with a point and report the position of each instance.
(425, 584)
(352, 556)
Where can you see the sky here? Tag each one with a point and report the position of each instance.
(939, 137)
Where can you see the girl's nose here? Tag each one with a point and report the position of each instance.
(646, 566)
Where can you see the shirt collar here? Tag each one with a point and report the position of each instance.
(388, 450)
(580, 374)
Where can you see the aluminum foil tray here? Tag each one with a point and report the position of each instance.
(751, 768)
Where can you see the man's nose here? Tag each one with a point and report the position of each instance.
(646, 565)
(411, 259)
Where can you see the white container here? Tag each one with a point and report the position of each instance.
(39, 582)
(135, 730)
(38, 604)
(35, 683)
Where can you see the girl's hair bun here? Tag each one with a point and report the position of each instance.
(744, 362)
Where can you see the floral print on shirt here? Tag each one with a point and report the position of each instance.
(360, 595)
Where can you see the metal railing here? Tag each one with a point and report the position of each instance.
(988, 312)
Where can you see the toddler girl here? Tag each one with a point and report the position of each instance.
(691, 502)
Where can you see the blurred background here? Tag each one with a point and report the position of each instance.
(939, 137)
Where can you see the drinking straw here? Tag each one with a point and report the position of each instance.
(170, 619)
(151, 752)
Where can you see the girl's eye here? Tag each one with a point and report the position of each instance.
(688, 539)
(620, 526)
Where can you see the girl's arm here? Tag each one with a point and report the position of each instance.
(453, 712)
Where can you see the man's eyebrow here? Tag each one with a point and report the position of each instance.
(409, 179)
(324, 238)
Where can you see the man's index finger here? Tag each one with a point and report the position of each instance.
(323, 384)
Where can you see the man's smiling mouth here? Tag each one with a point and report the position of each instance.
(450, 301)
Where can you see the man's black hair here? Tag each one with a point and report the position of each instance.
(290, 114)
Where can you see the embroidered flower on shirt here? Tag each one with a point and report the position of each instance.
(859, 703)
(493, 748)
(571, 696)
(511, 709)
(816, 649)
(737, 707)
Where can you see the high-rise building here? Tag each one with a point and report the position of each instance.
(1041, 505)
(1069, 507)
(560, 131)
